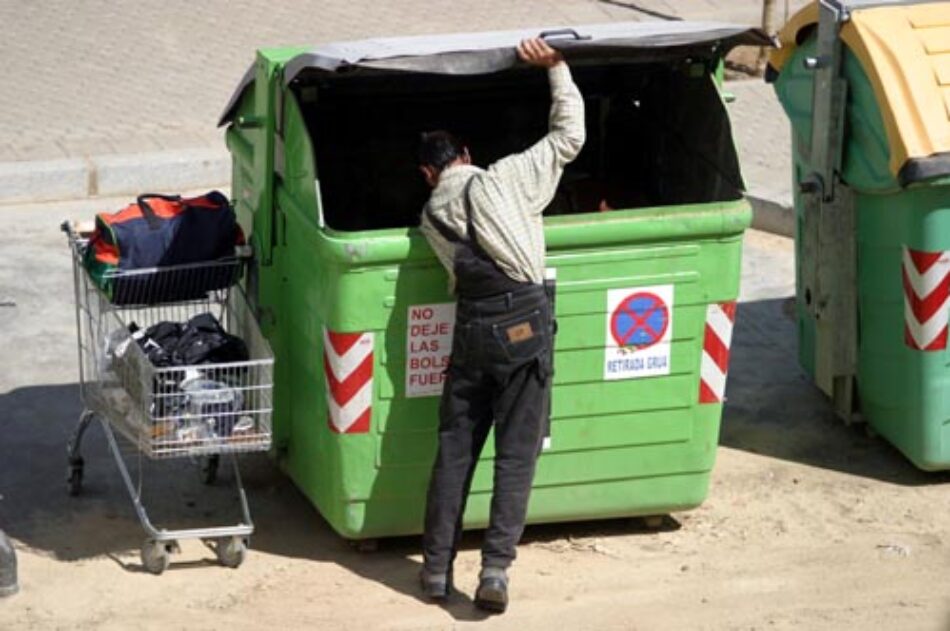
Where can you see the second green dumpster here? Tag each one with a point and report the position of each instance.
(868, 95)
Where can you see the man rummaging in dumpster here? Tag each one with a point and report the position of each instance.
(486, 227)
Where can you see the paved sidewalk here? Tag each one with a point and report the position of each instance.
(763, 136)
(98, 78)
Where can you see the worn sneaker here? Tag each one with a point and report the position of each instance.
(436, 585)
(492, 592)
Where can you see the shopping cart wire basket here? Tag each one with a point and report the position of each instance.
(202, 411)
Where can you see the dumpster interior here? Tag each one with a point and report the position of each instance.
(657, 134)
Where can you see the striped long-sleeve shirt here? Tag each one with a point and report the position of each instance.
(508, 198)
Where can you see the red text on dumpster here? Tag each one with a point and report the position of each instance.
(428, 345)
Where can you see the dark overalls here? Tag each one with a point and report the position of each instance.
(499, 373)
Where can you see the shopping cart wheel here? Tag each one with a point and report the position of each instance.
(74, 477)
(209, 469)
(156, 555)
(231, 551)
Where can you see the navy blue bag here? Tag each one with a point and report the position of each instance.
(161, 231)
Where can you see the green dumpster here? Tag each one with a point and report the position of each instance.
(867, 88)
(644, 240)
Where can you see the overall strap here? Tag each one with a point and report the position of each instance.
(467, 203)
(477, 273)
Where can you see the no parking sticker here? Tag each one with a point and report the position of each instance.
(639, 332)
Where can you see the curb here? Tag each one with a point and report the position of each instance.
(194, 169)
(113, 175)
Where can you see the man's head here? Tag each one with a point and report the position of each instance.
(439, 150)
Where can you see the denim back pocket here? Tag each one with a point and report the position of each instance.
(523, 337)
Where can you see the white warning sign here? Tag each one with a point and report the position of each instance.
(639, 332)
(428, 346)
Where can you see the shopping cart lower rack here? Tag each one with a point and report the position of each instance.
(203, 411)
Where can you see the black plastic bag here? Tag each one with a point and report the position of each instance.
(201, 340)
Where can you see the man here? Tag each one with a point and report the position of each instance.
(487, 230)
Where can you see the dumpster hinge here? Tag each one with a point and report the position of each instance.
(279, 156)
(279, 128)
(828, 232)
(829, 292)
(829, 98)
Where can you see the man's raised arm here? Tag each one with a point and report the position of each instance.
(535, 173)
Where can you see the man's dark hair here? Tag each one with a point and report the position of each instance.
(439, 148)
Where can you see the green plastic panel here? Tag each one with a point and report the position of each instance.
(627, 447)
(904, 391)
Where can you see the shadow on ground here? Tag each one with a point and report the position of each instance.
(774, 409)
(36, 510)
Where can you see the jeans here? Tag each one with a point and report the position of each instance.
(499, 374)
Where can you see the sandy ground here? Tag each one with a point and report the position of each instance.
(809, 524)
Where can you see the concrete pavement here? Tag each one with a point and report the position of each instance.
(95, 80)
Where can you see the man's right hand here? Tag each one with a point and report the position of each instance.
(536, 52)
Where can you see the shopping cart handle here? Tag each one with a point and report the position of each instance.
(77, 230)
(244, 251)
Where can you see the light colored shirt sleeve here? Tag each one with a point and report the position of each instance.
(444, 250)
(535, 172)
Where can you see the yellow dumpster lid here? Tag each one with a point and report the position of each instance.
(905, 52)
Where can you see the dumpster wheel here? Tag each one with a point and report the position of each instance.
(653, 522)
(365, 546)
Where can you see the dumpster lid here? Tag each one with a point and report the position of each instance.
(481, 53)
(905, 51)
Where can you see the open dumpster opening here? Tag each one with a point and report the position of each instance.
(657, 134)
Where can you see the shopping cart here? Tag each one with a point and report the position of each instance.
(204, 411)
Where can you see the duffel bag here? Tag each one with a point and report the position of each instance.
(159, 231)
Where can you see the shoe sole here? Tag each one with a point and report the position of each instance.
(491, 600)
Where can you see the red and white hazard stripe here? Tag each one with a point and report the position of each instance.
(720, 318)
(348, 365)
(926, 294)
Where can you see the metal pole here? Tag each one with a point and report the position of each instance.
(768, 25)
(8, 580)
